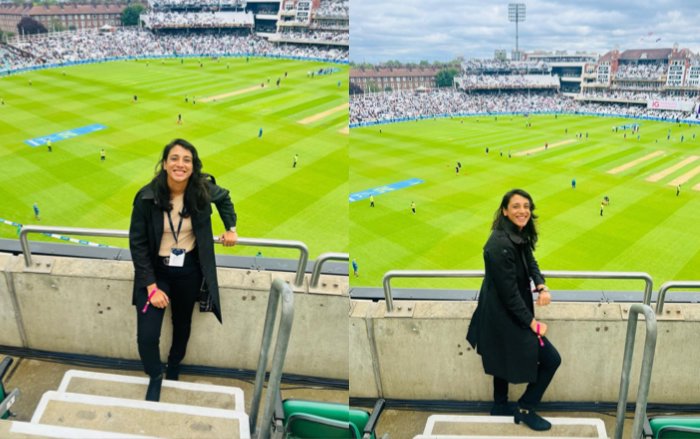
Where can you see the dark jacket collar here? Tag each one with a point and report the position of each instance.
(514, 233)
(146, 192)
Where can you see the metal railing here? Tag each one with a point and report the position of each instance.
(645, 374)
(393, 274)
(279, 243)
(648, 283)
(280, 292)
(79, 231)
(322, 259)
(619, 275)
(660, 300)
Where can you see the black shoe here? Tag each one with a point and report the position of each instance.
(501, 409)
(172, 372)
(153, 392)
(531, 419)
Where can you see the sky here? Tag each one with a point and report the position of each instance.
(442, 30)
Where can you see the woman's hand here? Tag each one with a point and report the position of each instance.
(159, 299)
(544, 298)
(538, 328)
(229, 238)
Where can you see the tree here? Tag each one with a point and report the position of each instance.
(445, 77)
(355, 89)
(56, 25)
(130, 15)
(4, 36)
(372, 87)
(29, 26)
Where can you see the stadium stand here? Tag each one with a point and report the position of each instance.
(326, 24)
(656, 83)
(193, 28)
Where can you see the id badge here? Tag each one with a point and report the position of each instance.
(177, 257)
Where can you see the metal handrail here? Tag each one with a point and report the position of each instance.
(280, 243)
(279, 292)
(661, 299)
(621, 275)
(79, 231)
(645, 374)
(322, 259)
(8, 402)
(386, 281)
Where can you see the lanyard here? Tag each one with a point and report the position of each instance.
(172, 229)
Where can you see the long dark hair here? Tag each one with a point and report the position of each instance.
(500, 221)
(197, 191)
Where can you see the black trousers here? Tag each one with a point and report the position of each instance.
(548, 363)
(182, 285)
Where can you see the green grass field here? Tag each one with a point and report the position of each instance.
(273, 200)
(645, 228)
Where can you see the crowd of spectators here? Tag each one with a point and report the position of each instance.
(634, 111)
(92, 45)
(622, 95)
(158, 20)
(11, 56)
(267, 11)
(371, 107)
(476, 66)
(314, 35)
(407, 104)
(325, 25)
(641, 71)
(333, 8)
(470, 82)
(196, 4)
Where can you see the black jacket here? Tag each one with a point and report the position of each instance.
(500, 328)
(146, 232)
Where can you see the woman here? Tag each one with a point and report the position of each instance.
(504, 330)
(172, 249)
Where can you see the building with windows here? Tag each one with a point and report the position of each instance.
(394, 79)
(62, 16)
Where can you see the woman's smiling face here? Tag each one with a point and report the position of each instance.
(518, 211)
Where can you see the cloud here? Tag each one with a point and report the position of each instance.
(440, 30)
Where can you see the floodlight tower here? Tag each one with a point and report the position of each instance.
(516, 13)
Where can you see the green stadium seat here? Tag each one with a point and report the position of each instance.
(304, 419)
(4, 367)
(672, 427)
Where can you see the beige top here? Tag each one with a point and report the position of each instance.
(185, 239)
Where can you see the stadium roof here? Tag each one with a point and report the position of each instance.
(645, 54)
(648, 55)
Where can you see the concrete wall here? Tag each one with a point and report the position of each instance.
(84, 306)
(9, 324)
(419, 352)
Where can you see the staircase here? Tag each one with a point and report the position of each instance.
(100, 405)
(473, 427)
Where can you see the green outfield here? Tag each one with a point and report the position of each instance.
(223, 102)
(646, 227)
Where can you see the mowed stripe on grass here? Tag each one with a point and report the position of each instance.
(635, 162)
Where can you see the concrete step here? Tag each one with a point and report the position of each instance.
(481, 427)
(22, 430)
(132, 416)
(132, 387)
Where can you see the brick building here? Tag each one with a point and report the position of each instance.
(394, 79)
(67, 16)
